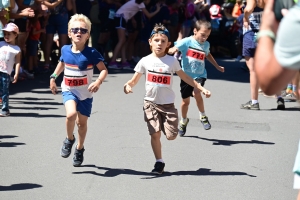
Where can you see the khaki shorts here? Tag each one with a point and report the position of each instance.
(161, 118)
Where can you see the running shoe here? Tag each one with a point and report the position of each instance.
(239, 58)
(250, 106)
(29, 75)
(158, 168)
(182, 128)
(78, 157)
(67, 147)
(204, 121)
(280, 104)
(126, 65)
(4, 113)
(114, 65)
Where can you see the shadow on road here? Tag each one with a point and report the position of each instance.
(9, 144)
(110, 172)
(230, 142)
(20, 186)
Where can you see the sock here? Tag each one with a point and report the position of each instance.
(21, 70)
(254, 101)
(183, 120)
(201, 114)
(278, 97)
(289, 87)
(294, 88)
(160, 160)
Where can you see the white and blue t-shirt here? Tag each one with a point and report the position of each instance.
(78, 71)
(193, 56)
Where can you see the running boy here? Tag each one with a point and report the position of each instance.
(159, 111)
(77, 61)
(194, 50)
(9, 55)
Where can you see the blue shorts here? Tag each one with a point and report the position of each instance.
(58, 23)
(249, 45)
(32, 47)
(84, 107)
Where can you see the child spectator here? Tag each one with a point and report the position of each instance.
(33, 41)
(9, 55)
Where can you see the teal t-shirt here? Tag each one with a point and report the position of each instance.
(193, 56)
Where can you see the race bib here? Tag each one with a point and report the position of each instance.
(161, 80)
(75, 81)
(196, 54)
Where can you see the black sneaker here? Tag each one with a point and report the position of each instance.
(66, 149)
(78, 157)
(250, 106)
(280, 104)
(182, 128)
(158, 168)
(204, 121)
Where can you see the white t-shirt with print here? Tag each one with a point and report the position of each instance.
(129, 9)
(8, 54)
(159, 77)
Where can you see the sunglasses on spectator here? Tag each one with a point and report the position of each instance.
(76, 30)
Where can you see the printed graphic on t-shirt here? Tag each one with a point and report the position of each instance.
(196, 59)
(3, 56)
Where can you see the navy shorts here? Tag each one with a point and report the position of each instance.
(84, 106)
(32, 47)
(120, 22)
(249, 45)
(58, 23)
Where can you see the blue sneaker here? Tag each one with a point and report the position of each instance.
(78, 157)
(66, 149)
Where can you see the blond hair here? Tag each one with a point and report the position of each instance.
(81, 18)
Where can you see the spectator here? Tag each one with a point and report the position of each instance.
(237, 8)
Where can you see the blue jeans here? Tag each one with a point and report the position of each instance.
(4, 90)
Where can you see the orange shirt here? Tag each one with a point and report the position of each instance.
(37, 27)
(236, 10)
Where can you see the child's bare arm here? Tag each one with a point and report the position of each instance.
(132, 82)
(17, 69)
(193, 83)
(211, 59)
(94, 87)
(59, 68)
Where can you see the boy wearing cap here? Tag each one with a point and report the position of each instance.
(9, 55)
(160, 113)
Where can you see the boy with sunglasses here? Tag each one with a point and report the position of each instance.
(77, 61)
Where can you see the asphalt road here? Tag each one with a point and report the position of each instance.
(246, 154)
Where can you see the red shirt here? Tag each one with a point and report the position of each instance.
(37, 27)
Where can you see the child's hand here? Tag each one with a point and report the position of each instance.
(94, 87)
(206, 93)
(127, 89)
(15, 78)
(221, 69)
(172, 50)
(53, 86)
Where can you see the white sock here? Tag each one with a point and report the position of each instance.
(254, 101)
(160, 160)
(201, 114)
(183, 120)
